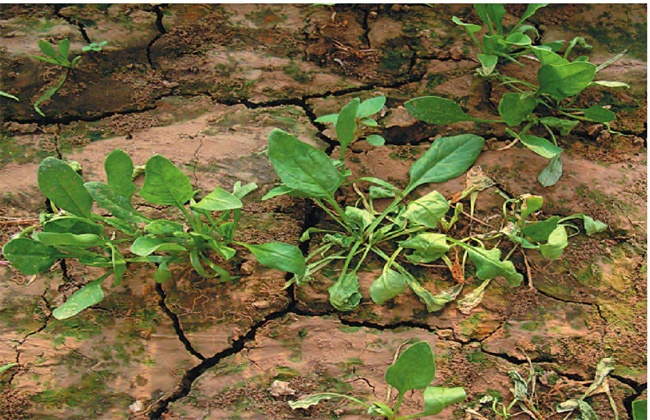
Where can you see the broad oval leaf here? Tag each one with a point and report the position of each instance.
(165, 184)
(563, 126)
(593, 226)
(564, 80)
(438, 398)
(72, 224)
(302, 167)
(491, 14)
(83, 240)
(387, 286)
(29, 256)
(447, 158)
(61, 184)
(344, 294)
(428, 210)
(530, 204)
(119, 171)
(547, 55)
(599, 114)
(414, 369)
(515, 108)
(119, 205)
(146, 245)
(489, 265)
(89, 295)
(218, 200)
(280, 256)
(163, 273)
(64, 48)
(163, 227)
(360, 217)
(540, 145)
(375, 140)
(370, 106)
(47, 48)
(346, 123)
(436, 110)
(329, 118)
(519, 39)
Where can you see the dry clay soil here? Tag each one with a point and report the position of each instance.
(204, 85)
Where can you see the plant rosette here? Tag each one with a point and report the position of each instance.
(204, 239)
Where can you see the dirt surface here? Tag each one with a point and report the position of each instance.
(204, 85)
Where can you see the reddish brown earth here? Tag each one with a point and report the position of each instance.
(204, 85)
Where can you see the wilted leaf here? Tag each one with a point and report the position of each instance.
(489, 265)
(344, 294)
(551, 174)
(557, 241)
(388, 285)
(433, 302)
(473, 299)
(427, 210)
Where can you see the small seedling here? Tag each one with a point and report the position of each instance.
(75, 232)
(60, 57)
(415, 369)
(353, 116)
(497, 43)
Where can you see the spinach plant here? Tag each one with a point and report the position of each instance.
(414, 369)
(60, 57)
(205, 239)
(547, 104)
(405, 233)
(498, 43)
(308, 172)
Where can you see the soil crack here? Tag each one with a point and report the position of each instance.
(72, 21)
(177, 324)
(191, 375)
(161, 31)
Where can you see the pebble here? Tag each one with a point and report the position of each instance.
(281, 388)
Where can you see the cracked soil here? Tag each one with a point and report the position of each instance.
(204, 85)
